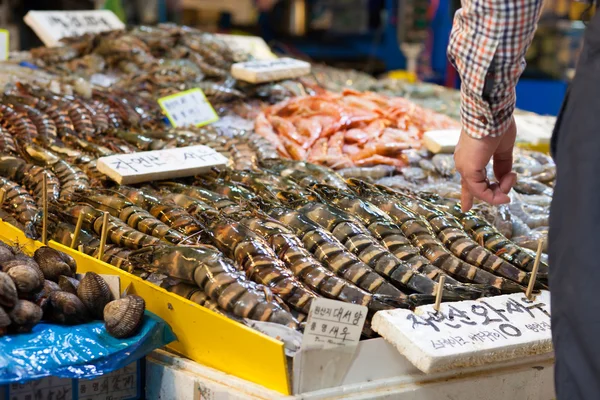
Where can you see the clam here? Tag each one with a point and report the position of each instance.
(6, 253)
(54, 263)
(94, 293)
(40, 297)
(68, 284)
(24, 316)
(123, 317)
(26, 279)
(4, 321)
(65, 308)
(23, 259)
(8, 291)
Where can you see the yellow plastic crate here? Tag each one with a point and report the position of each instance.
(202, 335)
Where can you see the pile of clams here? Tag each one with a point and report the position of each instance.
(45, 287)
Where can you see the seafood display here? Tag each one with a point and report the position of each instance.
(327, 191)
(35, 288)
(351, 129)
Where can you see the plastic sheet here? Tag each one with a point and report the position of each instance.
(81, 351)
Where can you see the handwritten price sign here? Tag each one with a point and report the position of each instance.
(188, 108)
(160, 164)
(52, 26)
(333, 323)
(469, 333)
(269, 70)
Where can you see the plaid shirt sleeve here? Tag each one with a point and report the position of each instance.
(487, 47)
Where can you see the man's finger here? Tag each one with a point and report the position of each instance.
(466, 199)
(483, 190)
(507, 182)
(502, 165)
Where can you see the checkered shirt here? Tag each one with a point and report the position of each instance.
(487, 47)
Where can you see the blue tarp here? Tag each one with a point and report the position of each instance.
(81, 351)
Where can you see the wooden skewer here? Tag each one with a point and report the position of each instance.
(77, 230)
(80, 248)
(2, 195)
(534, 271)
(44, 209)
(438, 295)
(103, 235)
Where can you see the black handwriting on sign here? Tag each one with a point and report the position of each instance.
(57, 21)
(418, 321)
(510, 330)
(460, 315)
(482, 311)
(136, 164)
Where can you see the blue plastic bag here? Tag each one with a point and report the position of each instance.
(80, 351)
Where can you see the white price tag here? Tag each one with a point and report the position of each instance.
(188, 108)
(4, 44)
(441, 141)
(160, 164)
(253, 45)
(333, 323)
(270, 70)
(469, 333)
(51, 26)
(534, 129)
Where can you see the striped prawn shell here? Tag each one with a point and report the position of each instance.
(450, 232)
(259, 261)
(422, 236)
(119, 233)
(333, 255)
(19, 203)
(17, 123)
(219, 278)
(135, 217)
(358, 240)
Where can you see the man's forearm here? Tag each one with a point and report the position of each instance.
(487, 47)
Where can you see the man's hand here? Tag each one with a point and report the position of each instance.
(473, 155)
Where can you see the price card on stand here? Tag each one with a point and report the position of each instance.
(269, 70)
(469, 333)
(188, 108)
(160, 164)
(52, 26)
(4, 44)
(333, 323)
(329, 344)
(253, 45)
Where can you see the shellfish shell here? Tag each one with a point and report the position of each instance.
(23, 259)
(6, 254)
(123, 317)
(94, 292)
(24, 316)
(40, 297)
(26, 279)
(4, 318)
(68, 284)
(65, 308)
(54, 263)
(8, 291)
